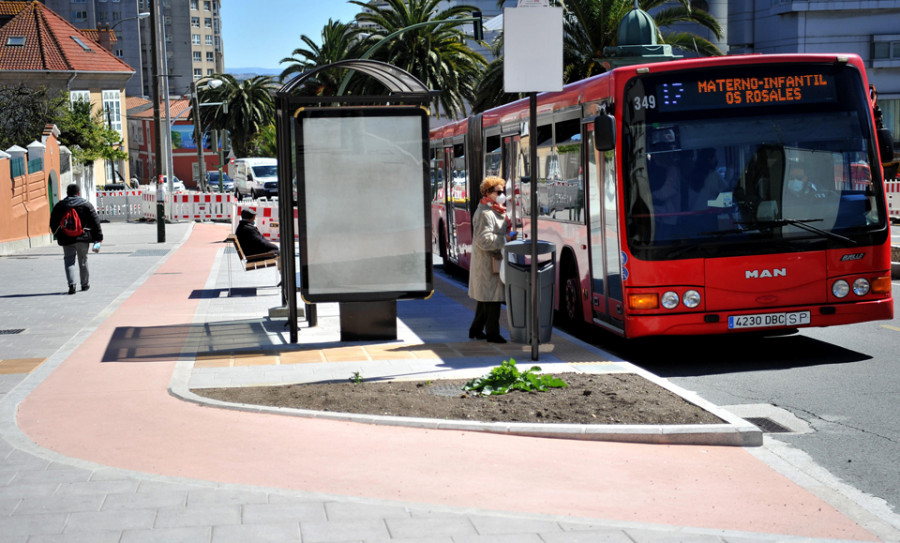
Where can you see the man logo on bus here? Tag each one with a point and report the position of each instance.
(762, 274)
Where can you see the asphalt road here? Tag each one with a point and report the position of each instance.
(843, 381)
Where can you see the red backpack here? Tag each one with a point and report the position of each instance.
(70, 224)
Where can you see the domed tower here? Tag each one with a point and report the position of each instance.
(637, 41)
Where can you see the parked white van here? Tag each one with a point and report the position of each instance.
(254, 177)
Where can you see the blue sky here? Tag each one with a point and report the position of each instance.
(259, 33)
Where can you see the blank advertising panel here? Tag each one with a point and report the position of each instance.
(363, 204)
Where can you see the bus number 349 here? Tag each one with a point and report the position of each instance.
(644, 102)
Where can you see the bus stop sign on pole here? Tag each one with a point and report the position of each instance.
(533, 62)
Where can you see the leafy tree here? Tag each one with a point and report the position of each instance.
(437, 55)
(339, 42)
(251, 107)
(87, 136)
(24, 112)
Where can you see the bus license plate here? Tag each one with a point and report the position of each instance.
(761, 320)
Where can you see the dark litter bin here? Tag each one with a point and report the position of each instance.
(516, 275)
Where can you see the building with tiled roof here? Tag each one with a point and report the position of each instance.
(141, 126)
(38, 43)
(40, 48)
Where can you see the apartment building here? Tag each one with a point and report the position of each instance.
(193, 37)
(869, 29)
(190, 29)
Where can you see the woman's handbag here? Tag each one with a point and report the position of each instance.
(496, 263)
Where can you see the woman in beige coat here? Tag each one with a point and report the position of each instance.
(490, 231)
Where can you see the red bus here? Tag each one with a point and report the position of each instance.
(698, 196)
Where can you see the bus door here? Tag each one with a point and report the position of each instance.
(606, 257)
(510, 155)
(457, 198)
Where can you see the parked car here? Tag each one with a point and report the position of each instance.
(212, 182)
(255, 177)
(177, 185)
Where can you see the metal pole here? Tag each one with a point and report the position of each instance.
(198, 138)
(157, 134)
(535, 291)
(170, 165)
(221, 159)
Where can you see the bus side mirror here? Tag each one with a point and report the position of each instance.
(886, 144)
(604, 132)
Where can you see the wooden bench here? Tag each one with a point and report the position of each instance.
(254, 262)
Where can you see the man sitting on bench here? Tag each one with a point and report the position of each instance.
(251, 240)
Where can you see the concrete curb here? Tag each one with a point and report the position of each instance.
(734, 431)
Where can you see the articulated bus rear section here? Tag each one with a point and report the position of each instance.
(699, 196)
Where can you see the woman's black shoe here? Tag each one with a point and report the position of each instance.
(476, 334)
(496, 339)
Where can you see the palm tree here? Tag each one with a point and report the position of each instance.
(251, 106)
(436, 54)
(339, 42)
(592, 25)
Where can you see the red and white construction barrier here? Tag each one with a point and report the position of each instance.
(267, 220)
(190, 206)
(119, 205)
(201, 206)
(892, 188)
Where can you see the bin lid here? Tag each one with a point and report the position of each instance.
(523, 247)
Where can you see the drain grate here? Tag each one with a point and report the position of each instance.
(450, 391)
(11, 331)
(768, 426)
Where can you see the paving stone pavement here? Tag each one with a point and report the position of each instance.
(47, 497)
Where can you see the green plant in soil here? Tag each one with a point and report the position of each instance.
(356, 377)
(507, 376)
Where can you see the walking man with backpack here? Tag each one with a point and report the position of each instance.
(76, 225)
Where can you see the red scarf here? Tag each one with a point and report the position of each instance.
(501, 210)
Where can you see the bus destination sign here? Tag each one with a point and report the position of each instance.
(715, 92)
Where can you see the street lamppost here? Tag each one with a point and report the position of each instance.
(198, 129)
(141, 15)
(157, 135)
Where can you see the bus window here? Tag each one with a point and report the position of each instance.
(437, 175)
(547, 170)
(523, 174)
(568, 192)
(492, 156)
(458, 181)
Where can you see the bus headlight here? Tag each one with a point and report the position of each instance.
(840, 288)
(691, 299)
(669, 300)
(861, 287)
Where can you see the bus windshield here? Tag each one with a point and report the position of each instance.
(766, 158)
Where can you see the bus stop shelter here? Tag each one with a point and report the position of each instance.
(355, 169)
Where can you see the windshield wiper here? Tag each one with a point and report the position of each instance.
(802, 224)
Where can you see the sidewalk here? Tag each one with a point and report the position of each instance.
(99, 443)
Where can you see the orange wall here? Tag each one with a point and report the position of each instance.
(24, 202)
